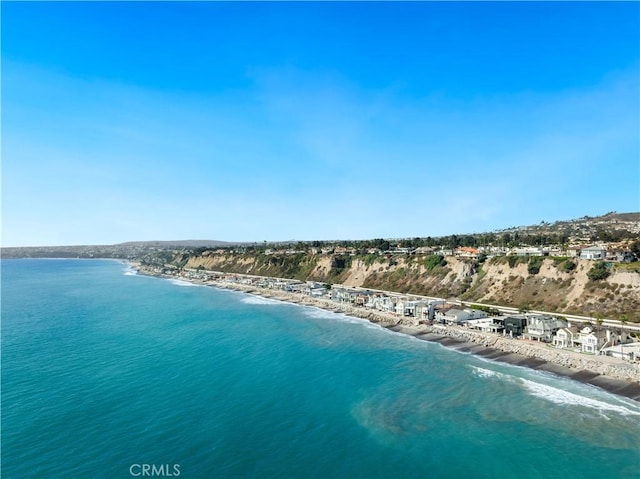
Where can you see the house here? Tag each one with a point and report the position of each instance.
(467, 252)
(401, 250)
(564, 337)
(593, 253)
(591, 341)
(361, 298)
(515, 325)
(486, 325)
(315, 289)
(456, 316)
(542, 328)
(621, 256)
(459, 316)
(630, 351)
(531, 252)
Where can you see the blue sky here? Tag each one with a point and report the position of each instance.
(330, 120)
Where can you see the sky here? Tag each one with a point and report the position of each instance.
(266, 121)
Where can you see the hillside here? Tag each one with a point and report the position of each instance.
(554, 284)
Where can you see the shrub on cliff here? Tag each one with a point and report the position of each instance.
(433, 261)
(598, 272)
(534, 264)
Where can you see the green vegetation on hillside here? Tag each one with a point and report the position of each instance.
(598, 272)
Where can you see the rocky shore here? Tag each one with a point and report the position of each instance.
(612, 374)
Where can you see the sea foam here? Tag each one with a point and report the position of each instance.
(260, 300)
(560, 396)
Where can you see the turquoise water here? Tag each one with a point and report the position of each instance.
(103, 369)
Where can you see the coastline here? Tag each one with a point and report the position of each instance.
(611, 374)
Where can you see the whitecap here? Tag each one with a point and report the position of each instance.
(560, 396)
(260, 300)
(179, 282)
(485, 373)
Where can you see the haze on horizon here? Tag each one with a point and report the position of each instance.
(268, 121)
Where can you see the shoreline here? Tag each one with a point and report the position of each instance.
(611, 374)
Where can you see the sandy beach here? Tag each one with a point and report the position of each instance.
(612, 374)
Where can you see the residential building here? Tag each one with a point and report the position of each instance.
(515, 325)
(564, 338)
(593, 253)
(542, 328)
(590, 340)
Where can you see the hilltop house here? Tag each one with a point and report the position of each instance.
(532, 251)
(594, 253)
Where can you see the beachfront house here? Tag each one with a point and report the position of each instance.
(459, 316)
(295, 286)
(629, 352)
(361, 298)
(455, 316)
(564, 338)
(315, 290)
(593, 253)
(486, 325)
(590, 340)
(542, 328)
(343, 295)
(515, 325)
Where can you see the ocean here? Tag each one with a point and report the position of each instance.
(109, 374)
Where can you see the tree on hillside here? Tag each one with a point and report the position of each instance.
(598, 272)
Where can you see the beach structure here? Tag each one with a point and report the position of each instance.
(629, 351)
(515, 325)
(459, 316)
(542, 327)
(380, 302)
(564, 337)
(591, 340)
(486, 325)
(315, 289)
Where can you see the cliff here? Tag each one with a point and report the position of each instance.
(552, 284)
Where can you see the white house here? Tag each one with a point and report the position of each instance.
(564, 338)
(458, 316)
(531, 251)
(630, 352)
(593, 252)
(591, 341)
